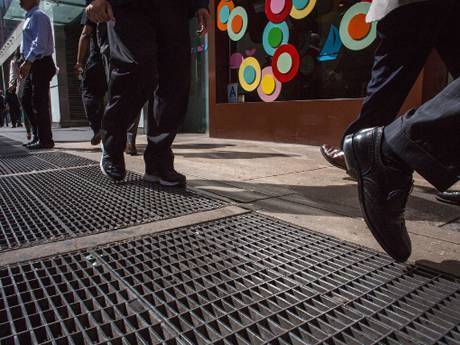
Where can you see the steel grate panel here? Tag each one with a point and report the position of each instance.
(23, 220)
(214, 285)
(63, 205)
(162, 202)
(209, 284)
(65, 160)
(71, 300)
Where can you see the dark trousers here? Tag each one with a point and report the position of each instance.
(93, 89)
(15, 115)
(428, 139)
(149, 46)
(408, 35)
(35, 98)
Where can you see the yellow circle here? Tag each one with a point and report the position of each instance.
(268, 84)
(249, 61)
(300, 14)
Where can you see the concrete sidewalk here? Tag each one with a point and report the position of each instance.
(292, 183)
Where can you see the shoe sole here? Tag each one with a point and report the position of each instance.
(354, 169)
(445, 201)
(164, 183)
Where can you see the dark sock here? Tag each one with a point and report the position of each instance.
(390, 159)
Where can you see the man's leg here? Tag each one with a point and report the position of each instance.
(131, 136)
(428, 140)
(27, 106)
(172, 93)
(93, 89)
(42, 73)
(425, 140)
(132, 54)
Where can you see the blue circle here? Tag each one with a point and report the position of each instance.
(300, 4)
(249, 74)
(265, 41)
(224, 14)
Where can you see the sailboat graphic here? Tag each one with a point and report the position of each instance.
(332, 45)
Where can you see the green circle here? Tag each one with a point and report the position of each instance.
(284, 63)
(275, 37)
(249, 74)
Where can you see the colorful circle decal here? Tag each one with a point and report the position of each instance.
(285, 63)
(270, 87)
(354, 32)
(224, 9)
(274, 36)
(302, 8)
(237, 23)
(249, 74)
(277, 10)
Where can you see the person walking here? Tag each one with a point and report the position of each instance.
(409, 30)
(383, 159)
(94, 72)
(90, 68)
(16, 85)
(37, 69)
(144, 44)
(3, 112)
(14, 107)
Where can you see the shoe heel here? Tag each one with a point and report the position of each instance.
(350, 160)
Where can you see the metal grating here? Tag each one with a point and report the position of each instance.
(40, 162)
(23, 220)
(70, 300)
(73, 205)
(242, 280)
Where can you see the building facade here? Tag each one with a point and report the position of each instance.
(295, 70)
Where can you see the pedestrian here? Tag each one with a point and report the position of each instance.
(37, 69)
(426, 140)
(147, 39)
(3, 112)
(17, 84)
(408, 30)
(14, 107)
(92, 72)
(94, 75)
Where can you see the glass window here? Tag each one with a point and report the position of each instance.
(279, 50)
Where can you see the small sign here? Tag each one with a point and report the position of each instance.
(232, 93)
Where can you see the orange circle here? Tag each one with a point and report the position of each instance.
(358, 28)
(231, 6)
(237, 24)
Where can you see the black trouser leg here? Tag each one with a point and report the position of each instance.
(93, 89)
(26, 101)
(36, 97)
(428, 140)
(407, 35)
(132, 60)
(172, 92)
(132, 130)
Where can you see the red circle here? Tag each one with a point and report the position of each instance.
(237, 24)
(291, 50)
(278, 17)
(358, 28)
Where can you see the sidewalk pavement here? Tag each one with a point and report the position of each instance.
(293, 183)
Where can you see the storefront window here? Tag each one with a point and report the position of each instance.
(279, 50)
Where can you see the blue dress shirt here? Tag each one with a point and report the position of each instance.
(37, 35)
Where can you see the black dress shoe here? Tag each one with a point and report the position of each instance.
(32, 142)
(452, 198)
(383, 191)
(96, 139)
(131, 150)
(112, 168)
(40, 146)
(334, 156)
(161, 170)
